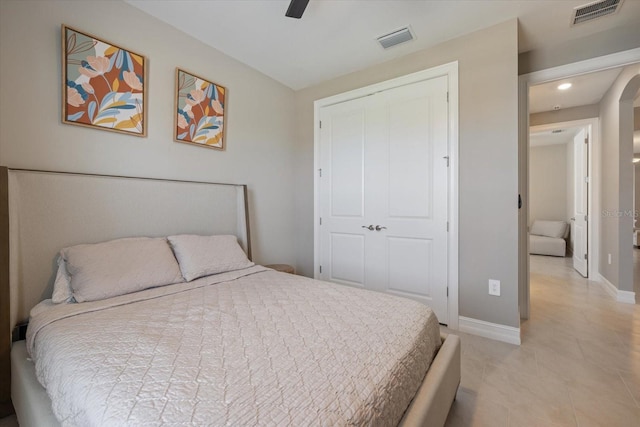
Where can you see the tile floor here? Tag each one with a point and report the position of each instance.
(578, 365)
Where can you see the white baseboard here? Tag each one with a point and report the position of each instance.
(626, 297)
(494, 331)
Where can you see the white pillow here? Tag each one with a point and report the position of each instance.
(62, 286)
(555, 229)
(200, 256)
(119, 267)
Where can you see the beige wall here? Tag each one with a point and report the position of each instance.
(615, 40)
(488, 162)
(548, 183)
(564, 115)
(616, 224)
(260, 137)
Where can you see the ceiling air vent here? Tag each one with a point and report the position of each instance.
(395, 38)
(595, 10)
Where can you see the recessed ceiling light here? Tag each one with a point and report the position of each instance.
(564, 86)
(636, 160)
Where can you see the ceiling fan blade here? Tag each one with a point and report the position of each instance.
(296, 8)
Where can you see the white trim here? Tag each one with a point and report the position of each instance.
(600, 63)
(608, 286)
(524, 301)
(494, 331)
(625, 297)
(453, 196)
(451, 71)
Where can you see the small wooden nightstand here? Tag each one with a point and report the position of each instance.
(285, 268)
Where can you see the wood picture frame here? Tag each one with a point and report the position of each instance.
(200, 114)
(104, 86)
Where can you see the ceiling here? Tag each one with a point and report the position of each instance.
(547, 137)
(335, 37)
(586, 89)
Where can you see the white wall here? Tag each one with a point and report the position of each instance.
(636, 127)
(488, 178)
(616, 227)
(636, 194)
(260, 126)
(606, 42)
(548, 178)
(564, 115)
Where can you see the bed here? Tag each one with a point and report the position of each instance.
(249, 346)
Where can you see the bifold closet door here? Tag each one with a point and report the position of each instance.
(384, 191)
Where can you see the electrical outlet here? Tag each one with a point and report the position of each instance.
(609, 259)
(494, 287)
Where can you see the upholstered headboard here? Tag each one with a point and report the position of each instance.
(48, 211)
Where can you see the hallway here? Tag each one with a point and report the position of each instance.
(578, 365)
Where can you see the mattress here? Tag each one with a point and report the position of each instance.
(252, 347)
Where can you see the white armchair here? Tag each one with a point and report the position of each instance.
(549, 238)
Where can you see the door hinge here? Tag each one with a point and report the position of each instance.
(586, 217)
(320, 172)
(447, 159)
(586, 140)
(447, 226)
(320, 269)
(320, 124)
(586, 179)
(447, 291)
(447, 96)
(585, 256)
(320, 220)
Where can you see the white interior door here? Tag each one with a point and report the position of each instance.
(581, 199)
(383, 193)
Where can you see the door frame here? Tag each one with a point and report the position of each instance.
(600, 63)
(451, 71)
(593, 189)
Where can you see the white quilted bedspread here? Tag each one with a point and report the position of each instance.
(253, 347)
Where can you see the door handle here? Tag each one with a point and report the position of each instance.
(369, 227)
(573, 219)
(378, 228)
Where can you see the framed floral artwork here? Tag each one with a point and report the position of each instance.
(103, 85)
(200, 116)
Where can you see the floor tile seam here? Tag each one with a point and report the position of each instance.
(573, 407)
(629, 389)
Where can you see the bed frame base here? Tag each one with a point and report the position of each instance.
(431, 404)
(30, 400)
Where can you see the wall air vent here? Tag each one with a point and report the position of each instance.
(395, 38)
(595, 10)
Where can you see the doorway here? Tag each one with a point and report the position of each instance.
(619, 60)
(386, 189)
(560, 194)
